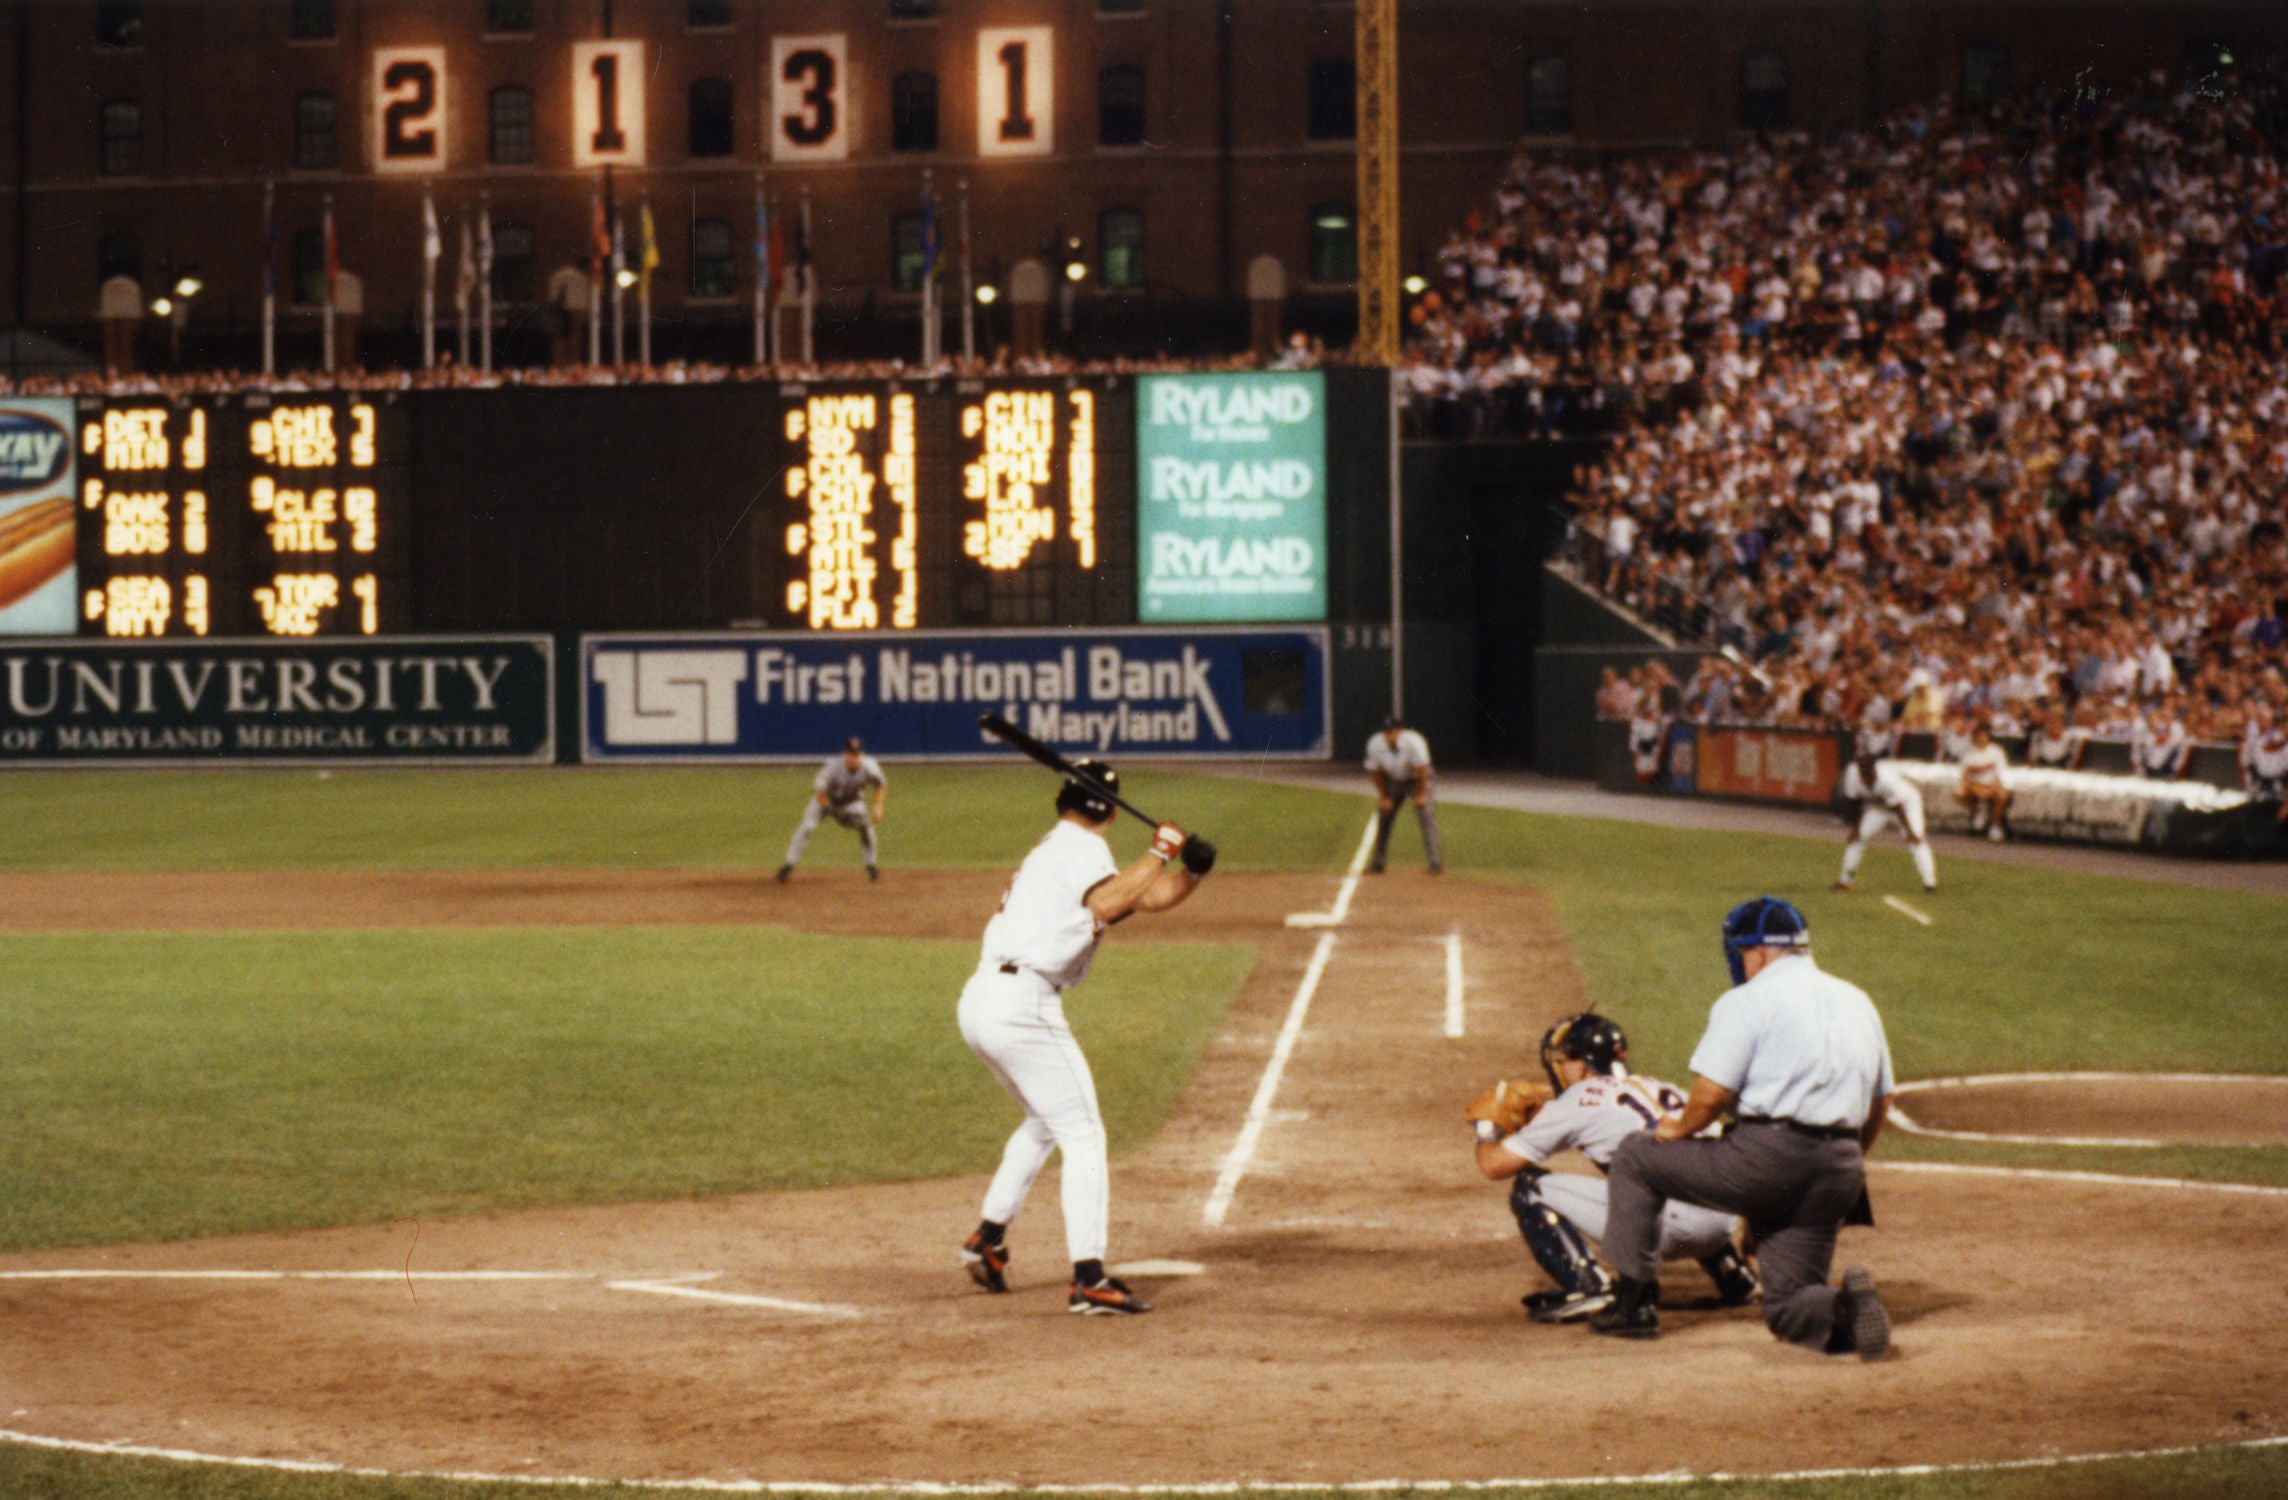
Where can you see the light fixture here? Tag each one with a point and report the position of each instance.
(988, 294)
(1415, 286)
(626, 279)
(161, 307)
(188, 287)
(1074, 270)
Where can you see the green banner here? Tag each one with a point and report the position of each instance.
(1231, 488)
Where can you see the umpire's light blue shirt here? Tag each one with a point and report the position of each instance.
(1797, 1043)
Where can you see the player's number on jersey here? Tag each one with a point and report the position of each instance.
(409, 109)
(813, 73)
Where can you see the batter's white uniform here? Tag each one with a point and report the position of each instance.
(1593, 1117)
(1012, 1015)
(1885, 800)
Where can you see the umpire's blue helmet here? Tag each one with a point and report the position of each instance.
(1766, 922)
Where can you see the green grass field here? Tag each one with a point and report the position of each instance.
(179, 1085)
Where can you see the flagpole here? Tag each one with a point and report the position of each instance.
(429, 252)
(464, 282)
(269, 277)
(968, 290)
(332, 269)
(809, 279)
(619, 298)
(762, 270)
(596, 276)
(929, 270)
(485, 283)
(645, 258)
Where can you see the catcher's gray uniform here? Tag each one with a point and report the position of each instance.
(1594, 1117)
(842, 787)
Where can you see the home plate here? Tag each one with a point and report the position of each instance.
(1159, 1268)
(1901, 907)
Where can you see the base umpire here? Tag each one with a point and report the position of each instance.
(1801, 1055)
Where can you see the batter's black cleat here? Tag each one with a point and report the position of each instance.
(1105, 1298)
(988, 1264)
(1633, 1314)
(1861, 1317)
(1567, 1307)
(786, 872)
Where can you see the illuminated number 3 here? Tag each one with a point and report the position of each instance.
(609, 139)
(399, 138)
(816, 68)
(1016, 121)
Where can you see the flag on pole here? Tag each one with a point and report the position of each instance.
(600, 234)
(762, 272)
(775, 264)
(485, 244)
(802, 248)
(465, 270)
(929, 232)
(333, 254)
(485, 283)
(432, 243)
(269, 240)
(647, 260)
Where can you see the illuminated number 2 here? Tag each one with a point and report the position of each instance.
(815, 69)
(1016, 123)
(609, 139)
(408, 130)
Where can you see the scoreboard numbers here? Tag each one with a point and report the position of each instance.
(1016, 91)
(608, 104)
(809, 92)
(409, 109)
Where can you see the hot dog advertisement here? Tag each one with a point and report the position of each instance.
(38, 576)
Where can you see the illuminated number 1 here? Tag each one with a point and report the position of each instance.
(369, 603)
(1016, 123)
(609, 139)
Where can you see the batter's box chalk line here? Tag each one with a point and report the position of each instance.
(1226, 1487)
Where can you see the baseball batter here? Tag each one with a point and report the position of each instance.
(838, 791)
(1037, 946)
(1598, 1104)
(1876, 796)
(1398, 759)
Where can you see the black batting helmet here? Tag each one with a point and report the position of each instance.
(1089, 803)
(1589, 1038)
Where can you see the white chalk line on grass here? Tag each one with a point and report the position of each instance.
(1912, 1126)
(1341, 910)
(1259, 1112)
(125, 1449)
(1901, 907)
(1454, 983)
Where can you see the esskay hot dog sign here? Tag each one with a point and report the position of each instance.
(38, 583)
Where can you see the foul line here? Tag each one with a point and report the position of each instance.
(130, 1275)
(1911, 1126)
(1259, 1112)
(1454, 983)
(2103, 1179)
(680, 1288)
(1349, 888)
(1221, 1487)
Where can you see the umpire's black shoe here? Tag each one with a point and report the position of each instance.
(1633, 1314)
(1861, 1317)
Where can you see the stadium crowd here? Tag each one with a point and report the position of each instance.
(1981, 415)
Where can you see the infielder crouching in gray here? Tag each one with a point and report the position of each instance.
(1802, 1056)
(1398, 760)
(839, 792)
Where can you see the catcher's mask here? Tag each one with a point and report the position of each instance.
(1766, 922)
(1073, 797)
(1588, 1038)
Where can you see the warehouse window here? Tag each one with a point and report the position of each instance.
(311, 21)
(1985, 72)
(317, 145)
(707, 15)
(508, 17)
(913, 10)
(118, 254)
(122, 154)
(713, 273)
(119, 23)
(1120, 106)
(1549, 96)
(513, 278)
(711, 133)
(913, 112)
(509, 127)
(1334, 242)
(1120, 249)
(1334, 100)
(1120, 7)
(1763, 91)
(309, 289)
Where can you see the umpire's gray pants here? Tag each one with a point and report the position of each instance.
(1426, 813)
(851, 815)
(1794, 1190)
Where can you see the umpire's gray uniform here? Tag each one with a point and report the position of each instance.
(838, 792)
(1805, 1054)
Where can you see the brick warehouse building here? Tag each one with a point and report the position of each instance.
(1162, 145)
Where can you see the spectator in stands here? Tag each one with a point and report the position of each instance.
(1981, 789)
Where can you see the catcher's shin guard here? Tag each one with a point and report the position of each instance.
(1557, 1246)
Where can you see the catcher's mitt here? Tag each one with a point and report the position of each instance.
(1508, 1105)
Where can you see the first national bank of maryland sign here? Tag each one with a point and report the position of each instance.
(813, 100)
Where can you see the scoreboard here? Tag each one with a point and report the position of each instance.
(279, 515)
(971, 502)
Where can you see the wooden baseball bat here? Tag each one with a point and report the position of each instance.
(1001, 728)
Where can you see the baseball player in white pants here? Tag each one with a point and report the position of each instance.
(1012, 1015)
(838, 791)
(1876, 796)
(1599, 1104)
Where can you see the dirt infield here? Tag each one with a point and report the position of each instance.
(2179, 1110)
(1356, 1317)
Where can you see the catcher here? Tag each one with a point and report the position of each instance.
(1590, 1104)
